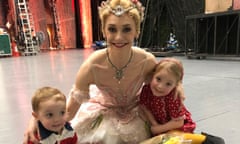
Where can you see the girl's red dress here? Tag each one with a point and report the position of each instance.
(165, 108)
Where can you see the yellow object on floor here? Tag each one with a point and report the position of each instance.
(176, 137)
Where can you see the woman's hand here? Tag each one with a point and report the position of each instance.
(31, 131)
(180, 92)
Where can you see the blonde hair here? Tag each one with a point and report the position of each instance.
(172, 65)
(45, 93)
(136, 11)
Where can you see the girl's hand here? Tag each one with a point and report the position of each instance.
(155, 130)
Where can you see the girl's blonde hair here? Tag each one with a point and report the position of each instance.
(132, 7)
(45, 93)
(172, 65)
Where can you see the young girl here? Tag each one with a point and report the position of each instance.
(165, 112)
(49, 107)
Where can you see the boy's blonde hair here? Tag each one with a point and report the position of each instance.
(172, 65)
(45, 93)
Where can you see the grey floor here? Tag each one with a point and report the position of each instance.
(211, 87)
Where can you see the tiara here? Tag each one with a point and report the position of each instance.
(120, 10)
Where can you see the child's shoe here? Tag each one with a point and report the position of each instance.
(210, 139)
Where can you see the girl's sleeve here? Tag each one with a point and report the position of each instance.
(143, 97)
(175, 107)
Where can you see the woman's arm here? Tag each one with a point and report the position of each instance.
(30, 132)
(171, 125)
(80, 91)
(150, 66)
(72, 108)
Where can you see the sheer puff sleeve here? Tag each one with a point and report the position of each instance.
(78, 95)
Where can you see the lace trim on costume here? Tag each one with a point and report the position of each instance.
(78, 95)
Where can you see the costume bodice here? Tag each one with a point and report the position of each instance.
(116, 97)
(115, 93)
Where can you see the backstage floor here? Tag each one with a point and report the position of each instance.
(211, 87)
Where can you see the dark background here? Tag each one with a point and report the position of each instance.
(161, 18)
